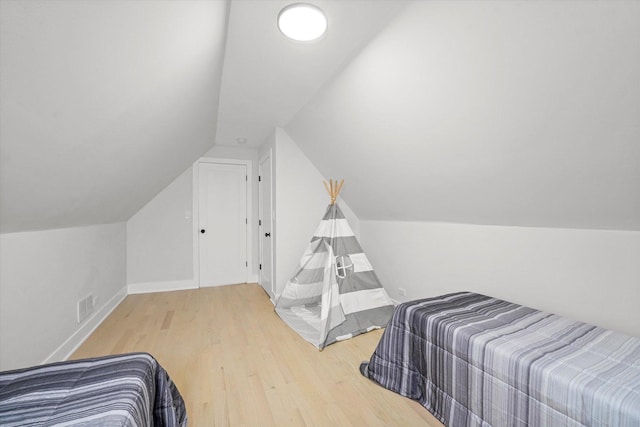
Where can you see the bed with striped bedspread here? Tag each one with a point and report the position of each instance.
(123, 390)
(473, 360)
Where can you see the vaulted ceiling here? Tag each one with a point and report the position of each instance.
(516, 113)
(103, 104)
(522, 113)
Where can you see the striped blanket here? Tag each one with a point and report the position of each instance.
(472, 360)
(125, 390)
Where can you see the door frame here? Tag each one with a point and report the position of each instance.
(195, 215)
(268, 155)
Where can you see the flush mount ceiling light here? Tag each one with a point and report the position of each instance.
(302, 22)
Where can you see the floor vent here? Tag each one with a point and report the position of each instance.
(86, 306)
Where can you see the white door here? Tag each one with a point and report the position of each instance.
(222, 230)
(265, 223)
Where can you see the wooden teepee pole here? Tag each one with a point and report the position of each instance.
(333, 188)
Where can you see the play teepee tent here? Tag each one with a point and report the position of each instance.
(334, 294)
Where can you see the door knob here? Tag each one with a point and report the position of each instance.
(202, 231)
(267, 234)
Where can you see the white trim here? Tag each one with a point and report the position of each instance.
(72, 343)
(171, 285)
(196, 213)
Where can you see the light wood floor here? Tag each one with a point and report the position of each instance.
(237, 364)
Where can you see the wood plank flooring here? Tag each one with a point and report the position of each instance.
(237, 364)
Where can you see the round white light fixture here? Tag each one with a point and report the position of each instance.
(302, 22)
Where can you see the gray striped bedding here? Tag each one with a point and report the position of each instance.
(473, 360)
(124, 390)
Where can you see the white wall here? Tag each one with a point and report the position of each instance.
(589, 275)
(160, 237)
(300, 203)
(42, 276)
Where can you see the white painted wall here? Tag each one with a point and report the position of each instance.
(300, 203)
(42, 276)
(589, 275)
(160, 237)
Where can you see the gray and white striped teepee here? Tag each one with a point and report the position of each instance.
(334, 294)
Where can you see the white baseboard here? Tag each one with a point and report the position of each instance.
(74, 341)
(253, 278)
(71, 344)
(172, 285)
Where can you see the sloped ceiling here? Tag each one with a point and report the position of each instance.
(268, 78)
(104, 103)
(512, 113)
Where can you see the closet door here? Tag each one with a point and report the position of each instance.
(265, 192)
(222, 231)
